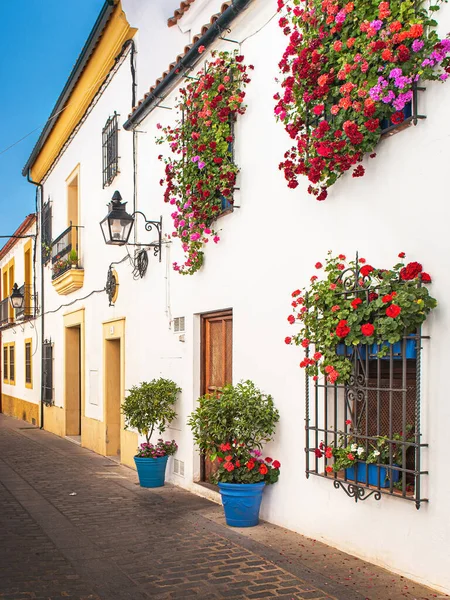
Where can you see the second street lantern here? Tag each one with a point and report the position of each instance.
(117, 225)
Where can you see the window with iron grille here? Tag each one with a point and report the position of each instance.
(110, 142)
(28, 365)
(47, 372)
(5, 364)
(376, 414)
(12, 363)
(46, 232)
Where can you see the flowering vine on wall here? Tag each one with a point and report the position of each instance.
(347, 68)
(355, 303)
(200, 174)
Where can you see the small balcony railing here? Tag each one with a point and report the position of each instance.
(4, 312)
(65, 252)
(29, 303)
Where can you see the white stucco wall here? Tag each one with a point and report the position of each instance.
(268, 248)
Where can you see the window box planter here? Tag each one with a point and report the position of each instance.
(368, 474)
(241, 503)
(411, 350)
(151, 471)
(69, 281)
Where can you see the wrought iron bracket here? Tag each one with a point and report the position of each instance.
(356, 492)
(149, 226)
(111, 286)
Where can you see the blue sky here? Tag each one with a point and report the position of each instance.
(42, 40)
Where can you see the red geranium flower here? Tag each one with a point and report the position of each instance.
(296, 293)
(287, 340)
(263, 469)
(393, 311)
(350, 456)
(250, 465)
(228, 466)
(328, 469)
(366, 270)
(426, 278)
(268, 459)
(411, 271)
(342, 330)
(276, 464)
(367, 329)
(318, 453)
(355, 303)
(291, 319)
(387, 298)
(318, 265)
(402, 255)
(328, 452)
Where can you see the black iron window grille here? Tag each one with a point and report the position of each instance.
(379, 408)
(46, 232)
(12, 363)
(47, 372)
(110, 143)
(4, 312)
(28, 369)
(64, 251)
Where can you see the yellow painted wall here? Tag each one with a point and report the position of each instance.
(116, 33)
(93, 435)
(20, 409)
(54, 420)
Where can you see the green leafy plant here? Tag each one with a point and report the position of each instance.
(73, 258)
(200, 173)
(149, 406)
(355, 303)
(232, 426)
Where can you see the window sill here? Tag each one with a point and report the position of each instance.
(69, 281)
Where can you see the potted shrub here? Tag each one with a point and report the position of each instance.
(149, 407)
(231, 427)
(372, 465)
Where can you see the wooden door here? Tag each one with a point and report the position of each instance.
(217, 359)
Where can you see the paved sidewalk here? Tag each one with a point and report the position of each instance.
(116, 541)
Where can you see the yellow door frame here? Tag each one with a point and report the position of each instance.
(75, 319)
(114, 329)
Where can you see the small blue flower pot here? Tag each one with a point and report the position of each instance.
(151, 471)
(410, 351)
(369, 472)
(241, 503)
(344, 350)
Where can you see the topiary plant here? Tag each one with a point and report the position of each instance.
(149, 406)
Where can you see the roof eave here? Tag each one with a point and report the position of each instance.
(84, 57)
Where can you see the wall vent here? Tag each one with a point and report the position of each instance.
(178, 467)
(178, 324)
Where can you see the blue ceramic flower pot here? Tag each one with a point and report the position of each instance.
(411, 352)
(241, 503)
(368, 473)
(151, 471)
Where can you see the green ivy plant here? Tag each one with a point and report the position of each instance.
(149, 406)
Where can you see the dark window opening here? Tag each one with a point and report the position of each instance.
(110, 142)
(47, 372)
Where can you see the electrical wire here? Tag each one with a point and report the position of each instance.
(48, 312)
(260, 29)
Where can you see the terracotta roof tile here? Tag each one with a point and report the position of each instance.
(184, 7)
(195, 39)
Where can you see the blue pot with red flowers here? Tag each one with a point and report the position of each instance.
(242, 477)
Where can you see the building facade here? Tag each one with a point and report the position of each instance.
(19, 328)
(227, 322)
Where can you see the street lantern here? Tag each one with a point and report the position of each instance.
(117, 225)
(17, 298)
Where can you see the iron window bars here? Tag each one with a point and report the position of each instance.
(65, 251)
(110, 144)
(381, 398)
(4, 312)
(47, 372)
(28, 364)
(46, 232)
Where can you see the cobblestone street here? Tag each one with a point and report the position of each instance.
(74, 524)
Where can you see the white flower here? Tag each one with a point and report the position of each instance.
(354, 447)
(376, 453)
(360, 451)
